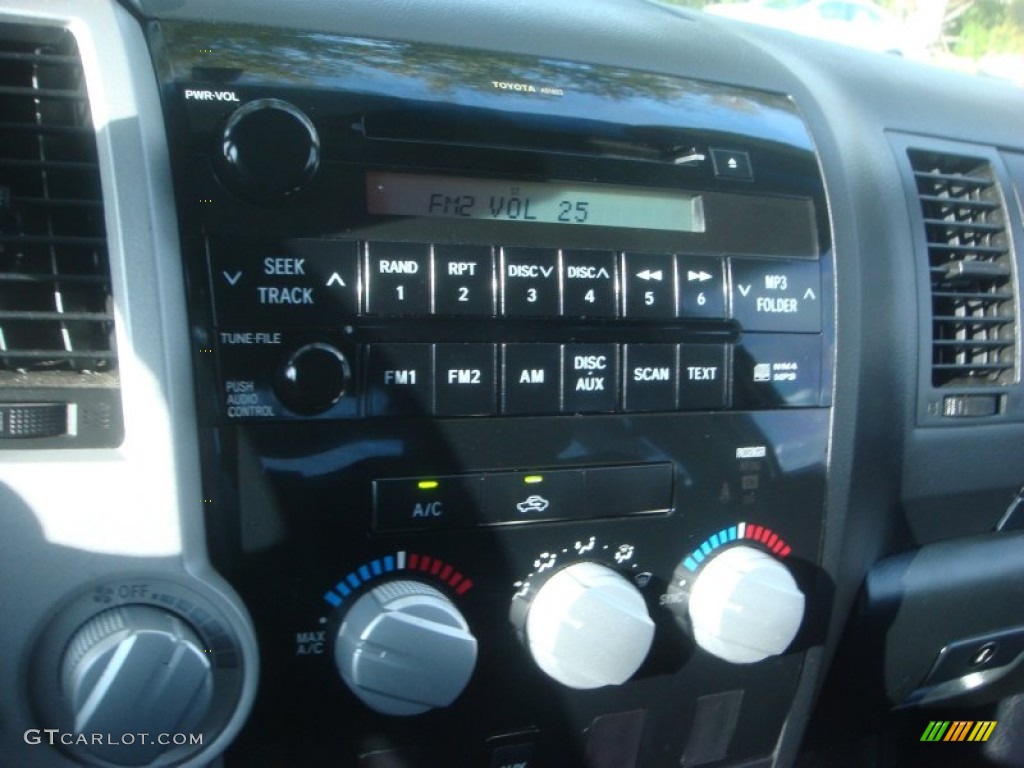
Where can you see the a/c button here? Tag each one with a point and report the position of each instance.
(411, 503)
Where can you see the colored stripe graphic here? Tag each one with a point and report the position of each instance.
(399, 561)
(959, 730)
(935, 731)
(743, 530)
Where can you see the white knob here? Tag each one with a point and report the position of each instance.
(138, 669)
(745, 606)
(403, 648)
(588, 627)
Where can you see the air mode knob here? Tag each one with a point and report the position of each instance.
(745, 606)
(588, 627)
(404, 648)
(136, 669)
(269, 149)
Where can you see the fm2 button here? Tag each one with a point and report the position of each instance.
(590, 378)
(464, 380)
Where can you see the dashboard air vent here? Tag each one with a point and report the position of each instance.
(55, 300)
(59, 378)
(970, 264)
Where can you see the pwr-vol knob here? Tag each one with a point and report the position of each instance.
(745, 606)
(269, 149)
(587, 627)
(404, 648)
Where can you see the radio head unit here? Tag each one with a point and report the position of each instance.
(515, 377)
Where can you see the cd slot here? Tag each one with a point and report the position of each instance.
(529, 132)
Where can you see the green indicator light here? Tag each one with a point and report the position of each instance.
(533, 479)
(426, 485)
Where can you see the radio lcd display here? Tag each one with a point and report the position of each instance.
(548, 202)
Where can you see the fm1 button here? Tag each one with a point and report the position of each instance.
(589, 284)
(464, 380)
(398, 278)
(590, 375)
(702, 376)
(411, 503)
(463, 280)
(530, 281)
(777, 295)
(400, 379)
(650, 380)
(773, 370)
(532, 375)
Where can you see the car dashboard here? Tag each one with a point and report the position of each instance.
(455, 384)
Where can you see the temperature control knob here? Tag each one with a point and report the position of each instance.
(588, 627)
(268, 150)
(745, 606)
(137, 669)
(404, 648)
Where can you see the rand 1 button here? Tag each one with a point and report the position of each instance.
(463, 280)
(531, 378)
(397, 278)
(650, 377)
(649, 285)
(464, 380)
(775, 370)
(702, 376)
(524, 497)
(589, 284)
(294, 282)
(701, 286)
(529, 279)
(411, 503)
(590, 376)
(400, 379)
(628, 490)
(777, 295)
